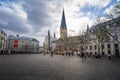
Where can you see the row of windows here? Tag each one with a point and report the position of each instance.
(95, 47)
(2, 32)
(103, 53)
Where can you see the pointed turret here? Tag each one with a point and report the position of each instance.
(87, 29)
(63, 27)
(49, 40)
(48, 32)
(63, 21)
(54, 35)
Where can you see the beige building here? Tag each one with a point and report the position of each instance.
(22, 44)
(3, 36)
(89, 41)
(48, 43)
(65, 43)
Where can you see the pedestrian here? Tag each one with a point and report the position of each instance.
(69, 53)
(66, 53)
(63, 53)
(52, 54)
(83, 55)
(75, 53)
(78, 54)
(109, 56)
(9, 51)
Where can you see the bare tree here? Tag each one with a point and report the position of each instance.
(84, 39)
(113, 13)
(107, 31)
(101, 35)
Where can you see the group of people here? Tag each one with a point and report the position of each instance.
(83, 55)
(80, 54)
(73, 53)
(51, 53)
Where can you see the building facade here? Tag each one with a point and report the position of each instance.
(49, 44)
(23, 44)
(63, 26)
(3, 36)
(90, 43)
(65, 43)
(93, 41)
(111, 28)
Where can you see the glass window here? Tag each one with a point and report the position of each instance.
(90, 53)
(90, 47)
(108, 45)
(102, 46)
(95, 47)
(95, 53)
(103, 53)
(109, 52)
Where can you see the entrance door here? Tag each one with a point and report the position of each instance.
(117, 50)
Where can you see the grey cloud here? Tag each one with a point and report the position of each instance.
(37, 13)
(41, 16)
(12, 23)
(38, 16)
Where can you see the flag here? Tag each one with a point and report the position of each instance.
(15, 43)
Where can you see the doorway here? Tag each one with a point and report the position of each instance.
(117, 50)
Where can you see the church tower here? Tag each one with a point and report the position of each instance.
(63, 27)
(49, 40)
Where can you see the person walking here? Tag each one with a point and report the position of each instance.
(83, 55)
(78, 54)
(52, 54)
(66, 53)
(9, 51)
(69, 53)
(109, 56)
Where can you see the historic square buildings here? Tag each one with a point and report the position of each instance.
(16, 44)
(3, 37)
(102, 38)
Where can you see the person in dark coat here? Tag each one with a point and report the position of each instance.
(52, 54)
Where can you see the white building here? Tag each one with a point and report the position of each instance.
(48, 44)
(3, 36)
(110, 47)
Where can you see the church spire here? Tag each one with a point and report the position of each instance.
(63, 27)
(54, 35)
(87, 30)
(49, 40)
(63, 21)
(48, 32)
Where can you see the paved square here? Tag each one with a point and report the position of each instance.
(58, 67)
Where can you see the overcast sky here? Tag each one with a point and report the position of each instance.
(33, 18)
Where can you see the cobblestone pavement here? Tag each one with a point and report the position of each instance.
(58, 67)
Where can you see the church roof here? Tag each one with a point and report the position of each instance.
(60, 40)
(63, 21)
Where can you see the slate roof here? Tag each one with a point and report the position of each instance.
(63, 21)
